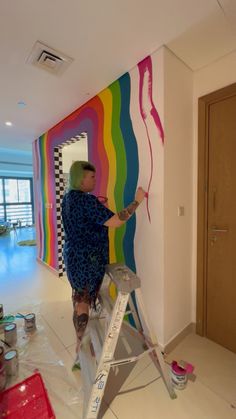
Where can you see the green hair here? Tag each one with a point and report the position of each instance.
(77, 173)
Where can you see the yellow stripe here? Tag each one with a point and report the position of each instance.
(106, 98)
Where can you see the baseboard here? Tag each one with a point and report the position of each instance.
(54, 271)
(170, 346)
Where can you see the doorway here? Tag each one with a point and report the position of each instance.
(75, 148)
(216, 260)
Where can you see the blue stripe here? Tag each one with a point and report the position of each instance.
(131, 150)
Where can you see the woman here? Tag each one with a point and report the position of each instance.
(86, 249)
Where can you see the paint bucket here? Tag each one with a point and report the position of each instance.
(178, 376)
(30, 324)
(11, 362)
(1, 312)
(1, 354)
(10, 333)
(3, 376)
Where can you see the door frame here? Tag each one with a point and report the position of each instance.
(204, 104)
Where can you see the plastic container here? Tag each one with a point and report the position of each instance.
(26, 400)
(178, 376)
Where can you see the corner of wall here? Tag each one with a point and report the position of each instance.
(178, 190)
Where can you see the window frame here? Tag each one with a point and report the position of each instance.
(4, 204)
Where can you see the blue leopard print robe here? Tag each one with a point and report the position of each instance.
(86, 248)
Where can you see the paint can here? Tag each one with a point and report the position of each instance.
(1, 312)
(30, 322)
(10, 333)
(11, 362)
(178, 376)
(1, 354)
(3, 375)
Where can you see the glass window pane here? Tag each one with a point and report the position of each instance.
(1, 191)
(21, 214)
(11, 191)
(24, 190)
(1, 214)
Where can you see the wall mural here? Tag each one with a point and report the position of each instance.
(112, 148)
(147, 108)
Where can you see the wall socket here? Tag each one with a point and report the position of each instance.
(48, 205)
(181, 211)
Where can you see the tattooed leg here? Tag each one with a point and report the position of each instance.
(80, 320)
(80, 323)
(126, 213)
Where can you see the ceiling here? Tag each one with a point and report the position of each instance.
(105, 39)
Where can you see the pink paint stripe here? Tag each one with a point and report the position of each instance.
(145, 67)
(151, 174)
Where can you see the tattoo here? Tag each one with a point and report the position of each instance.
(126, 213)
(80, 323)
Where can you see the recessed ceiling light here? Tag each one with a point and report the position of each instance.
(8, 123)
(21, 104)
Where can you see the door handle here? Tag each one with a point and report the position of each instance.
(219, 230)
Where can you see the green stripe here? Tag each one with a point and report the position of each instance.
(121, 167)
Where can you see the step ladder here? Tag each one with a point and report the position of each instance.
(108, 336)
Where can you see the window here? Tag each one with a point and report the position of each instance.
(1, 191)
(16, 201)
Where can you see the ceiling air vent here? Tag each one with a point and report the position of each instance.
(48, 59)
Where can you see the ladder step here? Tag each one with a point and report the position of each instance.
(124, 279)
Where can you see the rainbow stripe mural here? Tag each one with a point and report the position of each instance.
(112, 148)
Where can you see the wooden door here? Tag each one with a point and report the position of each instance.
(221, 240)
(219, 270)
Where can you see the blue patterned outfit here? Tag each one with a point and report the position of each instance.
(86, 248)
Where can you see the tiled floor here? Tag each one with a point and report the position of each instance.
(25, 283)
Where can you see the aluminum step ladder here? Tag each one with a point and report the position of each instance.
(108, 331)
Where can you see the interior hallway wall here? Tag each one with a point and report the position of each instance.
(125, 142)
(178, 84)
(219, 74)
(139, 133)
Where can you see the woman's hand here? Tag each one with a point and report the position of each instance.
(124, 215)
(140, 195)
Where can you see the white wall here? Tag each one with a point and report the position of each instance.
(178, 103)
(148, 246)
(72, 152)
(213, 77)
(15, 163)
(163, 248)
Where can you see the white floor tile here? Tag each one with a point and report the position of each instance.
(147, 398)
(215, 366)
(58, 315)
